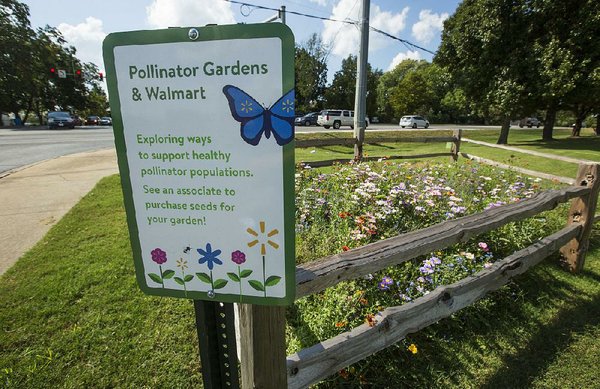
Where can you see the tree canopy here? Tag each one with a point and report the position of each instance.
(311, 74)
(512, 57)
(341, 92)
(26, 81)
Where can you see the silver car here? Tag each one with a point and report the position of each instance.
(414, 121)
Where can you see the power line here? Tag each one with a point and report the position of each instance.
(346, 21)
(290, 12)
(402, 40)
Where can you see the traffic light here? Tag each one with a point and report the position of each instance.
(78, 73)
(52, 72)
(101, 76)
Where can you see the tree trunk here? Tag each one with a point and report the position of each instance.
(549, 122)
(503, 139)
(598, 124)
(577, 126)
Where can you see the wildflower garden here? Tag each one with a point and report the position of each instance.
(73, 316)
(348, 206)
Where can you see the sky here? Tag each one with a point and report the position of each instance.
(85, 23)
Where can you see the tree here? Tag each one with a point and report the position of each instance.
(524, 55)
(311, 74)
(15, 54)
(568, 55)
(413, 87)
(486, 48)
(341, 92)
(386, 86)
(26, 58)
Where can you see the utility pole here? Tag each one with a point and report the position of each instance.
(280, 15)
(360, 100)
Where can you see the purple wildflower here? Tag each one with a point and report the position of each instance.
(385, 283)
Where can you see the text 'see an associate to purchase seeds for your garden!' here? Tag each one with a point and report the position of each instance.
(204, 128)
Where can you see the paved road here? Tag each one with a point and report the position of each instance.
(26, 146)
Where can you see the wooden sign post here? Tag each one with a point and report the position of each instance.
(204, 128)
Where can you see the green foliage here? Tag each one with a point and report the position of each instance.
(311, 74)
(28, 56)
(341, 93)
(522, 56)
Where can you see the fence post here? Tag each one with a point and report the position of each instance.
(582, 212)
(263, 350)
(457, 134)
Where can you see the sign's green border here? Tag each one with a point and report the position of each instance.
(208, 33)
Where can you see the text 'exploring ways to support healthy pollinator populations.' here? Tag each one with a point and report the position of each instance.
(155, 162)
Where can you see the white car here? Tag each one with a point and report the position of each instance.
(337, 118)
(414, 121)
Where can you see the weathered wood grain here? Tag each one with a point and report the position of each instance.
(262, 332)
(318, 275)
(393, 324)
(582, 212)
(457, 135)
(565, 180)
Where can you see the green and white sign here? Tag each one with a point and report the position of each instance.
(204, 126)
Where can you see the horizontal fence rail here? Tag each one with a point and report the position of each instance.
(352, 141)
(316, 276)
(393, 324)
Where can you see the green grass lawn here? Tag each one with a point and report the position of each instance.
(72, 316)
(585, 147)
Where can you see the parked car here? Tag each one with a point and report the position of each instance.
(310, 119)
(105, 121)
(413, 121)
(336, 118)
(77, 120)
(60, 119)
(530, 122)
(92, 121)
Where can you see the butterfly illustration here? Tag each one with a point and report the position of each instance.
(187, 249)
(255, 119)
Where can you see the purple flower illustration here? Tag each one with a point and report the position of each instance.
(159, 256)
(238, 257)
(209, 257)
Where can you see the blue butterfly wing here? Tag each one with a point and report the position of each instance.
(282, 118)
(248, 112)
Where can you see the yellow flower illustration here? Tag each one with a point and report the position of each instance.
(182, 264)
(263, 238)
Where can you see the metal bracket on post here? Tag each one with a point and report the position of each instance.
(216, 339)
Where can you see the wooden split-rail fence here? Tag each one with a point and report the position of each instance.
(262, 328)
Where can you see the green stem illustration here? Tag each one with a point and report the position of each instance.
(240, 278)
(264, 275)
(162, 281)
(184, 287)
(212, 284)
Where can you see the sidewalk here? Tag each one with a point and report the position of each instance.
(34, 199)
